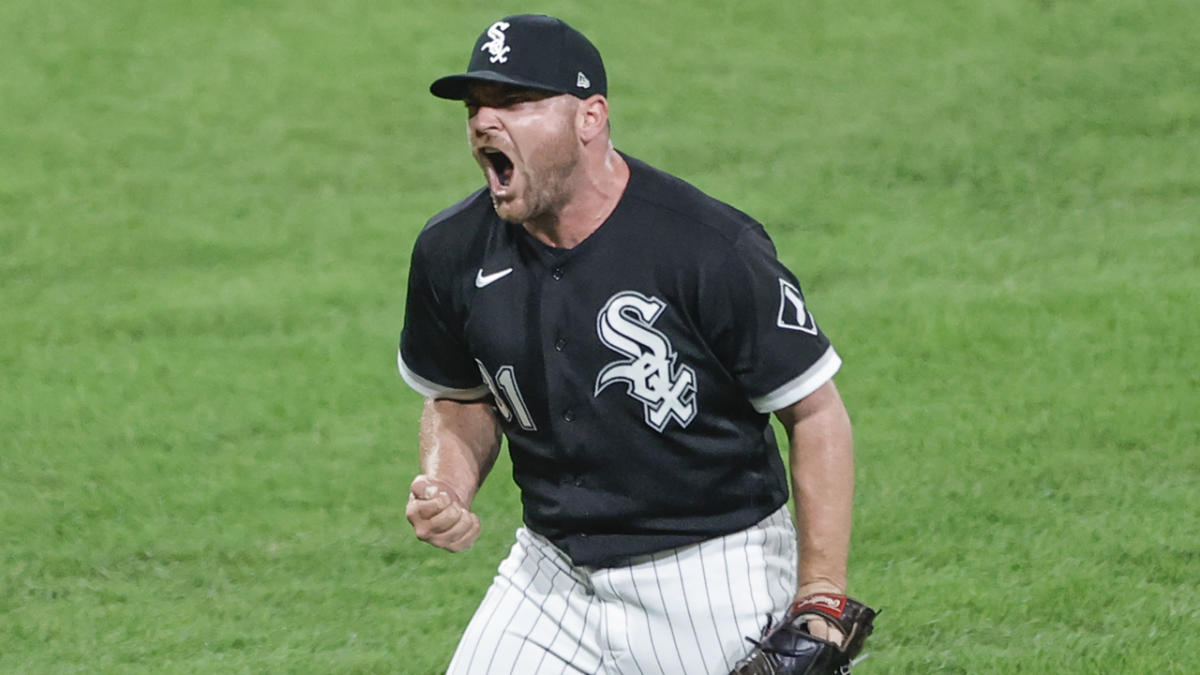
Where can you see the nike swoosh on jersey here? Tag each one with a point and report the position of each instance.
(482, 279)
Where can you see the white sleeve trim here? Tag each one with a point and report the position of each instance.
(430, 389)
(806, 383)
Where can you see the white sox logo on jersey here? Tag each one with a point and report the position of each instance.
(666, 390)
(496, 46)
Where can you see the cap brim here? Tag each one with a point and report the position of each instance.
(454, 87)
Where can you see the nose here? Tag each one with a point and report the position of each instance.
(482, 119)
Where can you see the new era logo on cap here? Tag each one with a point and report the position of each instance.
(533, 51)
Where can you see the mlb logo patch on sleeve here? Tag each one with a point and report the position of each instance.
(793, 315)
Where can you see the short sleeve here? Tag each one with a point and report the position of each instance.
(433, 356)
(767, 337)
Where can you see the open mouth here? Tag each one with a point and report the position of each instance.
(501, 164)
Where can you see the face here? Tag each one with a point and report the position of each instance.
(525, 142)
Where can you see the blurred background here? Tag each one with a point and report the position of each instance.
(206, 213)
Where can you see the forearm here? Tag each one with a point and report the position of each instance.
(822, 473)
(459, 443)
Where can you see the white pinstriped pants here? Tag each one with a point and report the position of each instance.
(685, 610)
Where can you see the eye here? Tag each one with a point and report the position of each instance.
(530, 96)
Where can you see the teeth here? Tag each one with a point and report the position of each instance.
(501, 165)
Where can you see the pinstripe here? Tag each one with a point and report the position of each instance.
(533, 563)
(559, 624)
(620, 605)
(790, 553)
(712, 614)
(574, 581)
(729, 584)
(777, 548)
(522, 606)
(577, 580)
(606, 610)
(520, 611)
(750, 574)
(480, 629)
(539, 546)
(786, 539)
(649, 629)
(541, 614)
(769, 535)
(579, 643)
(687, 605)
(667, 614)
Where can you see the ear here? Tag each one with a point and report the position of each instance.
(591, 121)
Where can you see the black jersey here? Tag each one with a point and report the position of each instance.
(634, 372)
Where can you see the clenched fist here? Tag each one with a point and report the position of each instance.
(439, 516)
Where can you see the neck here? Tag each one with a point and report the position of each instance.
(597, 190)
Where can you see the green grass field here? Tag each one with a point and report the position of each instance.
(206, 212)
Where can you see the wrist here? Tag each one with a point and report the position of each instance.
(456, 491)
(820, 586)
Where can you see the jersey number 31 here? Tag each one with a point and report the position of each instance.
(508, 395)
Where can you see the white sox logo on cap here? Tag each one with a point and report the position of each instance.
(496, 46)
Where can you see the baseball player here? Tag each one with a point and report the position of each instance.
(630, 337)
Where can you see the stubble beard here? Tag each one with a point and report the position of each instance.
(548, 184)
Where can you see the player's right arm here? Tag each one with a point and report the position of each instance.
(459, 443)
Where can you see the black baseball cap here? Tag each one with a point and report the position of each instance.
(534, 51)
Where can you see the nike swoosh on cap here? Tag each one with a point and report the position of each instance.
(482, 279)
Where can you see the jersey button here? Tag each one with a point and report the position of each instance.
(559, 344)
(569, 415)
(557, 273)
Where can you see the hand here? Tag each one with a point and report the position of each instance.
(439, 516)
(818, 627)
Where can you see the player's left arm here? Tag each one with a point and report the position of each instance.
(821, 451)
